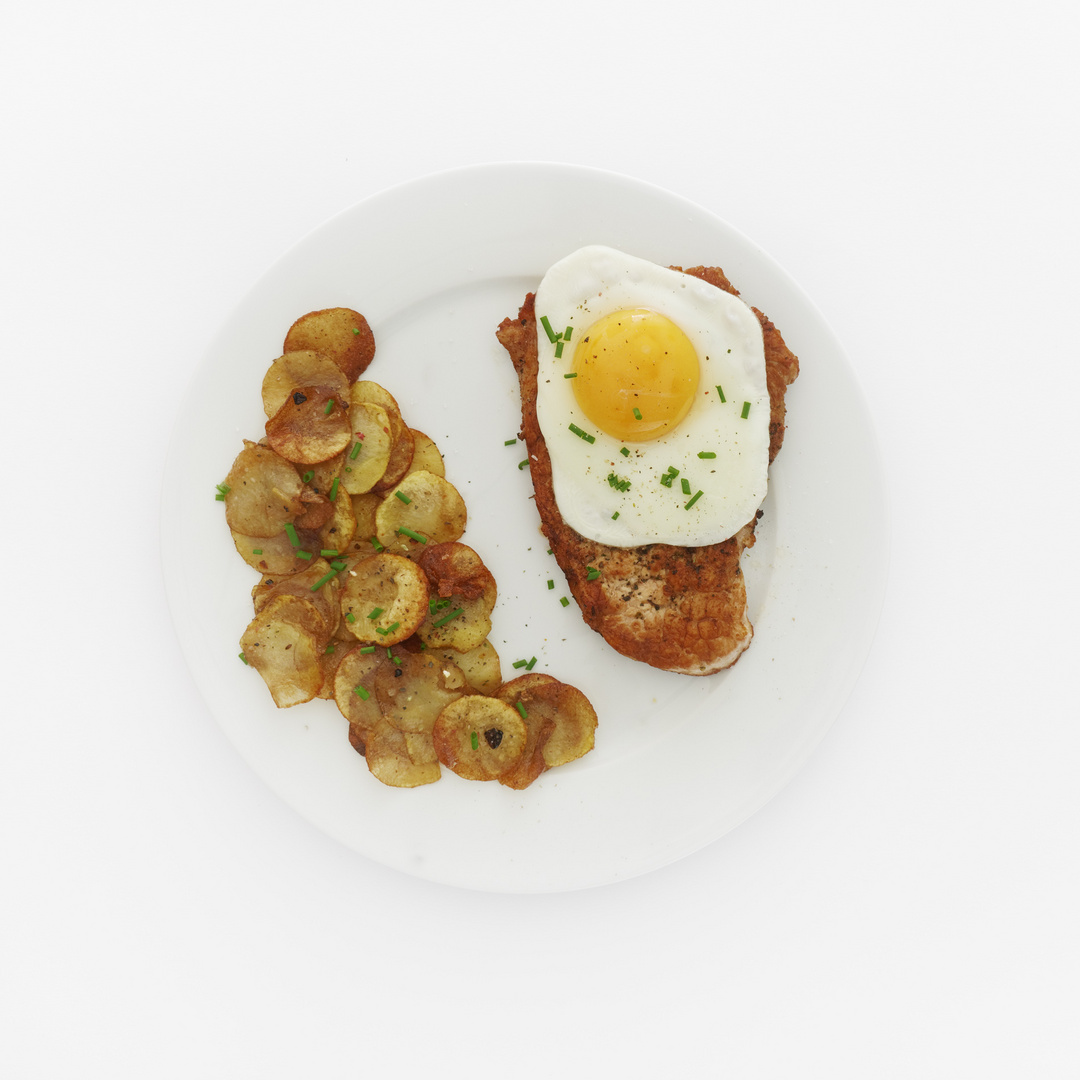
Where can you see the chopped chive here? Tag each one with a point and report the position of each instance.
(380, 630)
(364, 695)
(551, 584)
(389, 630)
(558, 350)
(303, 555)
(308, 476)
(637, 413)
(745, 409)
(705, 454)
(570, 375)
(350, 617)
(355, 452)
(446, 618)
(256, 551)
(412, 535)
(329, 406)
(685, 486)
(339, 565)
(219, 497)
(564, 601)
(243, 657)
(509, 442)
(592, 574)
(403, 497)
(582, 434)
(520, 663)
(367, 650)
(328, 553)
(567, 332)
(552, 336)
(290, 532)
(615, 516)
(333, 490)
(692, 501)
(531, 664)
(474, 739)
(720, 391)
(375, 612)
(355, 331)
(521, 709)
(224, 489)
(323, 580)
(329, 649)
(625, 452)
(522, 464)
(374, 542)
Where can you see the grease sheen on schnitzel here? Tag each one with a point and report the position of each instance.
(682, 609)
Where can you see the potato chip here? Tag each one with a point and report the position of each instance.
(384, 599)
(263, 492)
(423, 509)
(312, 426)
(283, 643)
(368, 452)
(463, 596)
(388, 758)
(339, 333)
(426, 456)
(295, 369)
(480, 738)
(413, 688)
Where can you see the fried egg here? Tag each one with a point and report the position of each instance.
(652, 399)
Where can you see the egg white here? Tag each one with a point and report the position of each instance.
(596, 281)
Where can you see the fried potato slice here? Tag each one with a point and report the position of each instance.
(461, 616)
(305, 368)
(264, 492)
(368, 454)
(354, 686)
(330, 661)
(426, 456)
(422, 505)
(561, 716)
(312, 426)
(387, 598)
(283, 643)
(364, 507)
(388, 758)
(413, 691)
(401, 452)
(339, 333)
(270, 554)
(480, 665)
(326, 597)
(376, 393)
(480, 738)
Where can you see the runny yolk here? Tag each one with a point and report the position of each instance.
(635, 360)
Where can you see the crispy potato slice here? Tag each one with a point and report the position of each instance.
(312, 426)
(386, 597)
(368, 453)
(461, 616)
(339, 333)
(426, 456)
(376, 393)
(296, 369)
(264, 492)
(364, 539)
(270, 554)
(425, 505)
(401, 452)
(387, 754)
(480, 738)
(481, 666)
(561, 716)
(337, 533)
(354, 686)
(414, 690)
(330, 661)
(326, 598)
(283, 643)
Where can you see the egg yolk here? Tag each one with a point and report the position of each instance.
(636, 374)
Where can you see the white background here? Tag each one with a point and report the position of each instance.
(907, 907)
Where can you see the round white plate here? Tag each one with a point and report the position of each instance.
(435, 265)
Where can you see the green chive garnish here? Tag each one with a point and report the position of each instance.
(720, 391)
(367, 650)
(625, 452)
(290, 532)
(474, 739)
(567, 332)
(637, 414)
(364, 695)
(323, 580)
(558, 350)
(520, 663)
(614, 517)
(402, 496)
(564, 601)
(243, 657)
(592, 574)
(745, 409)
(552, 336)
(350, 617)
(551, 584)
(412, 535)
(374, 613)
(339, 565)
(570, 375)
(521, 709)
(374, 542)
(706, 454)
(531, 664)
(582, 434)
(304, 555)
(522, 464)
(329, 406)
(308, 476)
(329, 648)
(509, 442)
(355, 452)
(685, 486)
(224, 489)
(446, 618)
(692, 501)
(333, 490)
(256, 551)
(328, 553)
(219, 497)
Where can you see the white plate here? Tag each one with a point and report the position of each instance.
(435, 265)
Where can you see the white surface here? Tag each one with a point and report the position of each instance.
(906, 906)
(639, 800)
